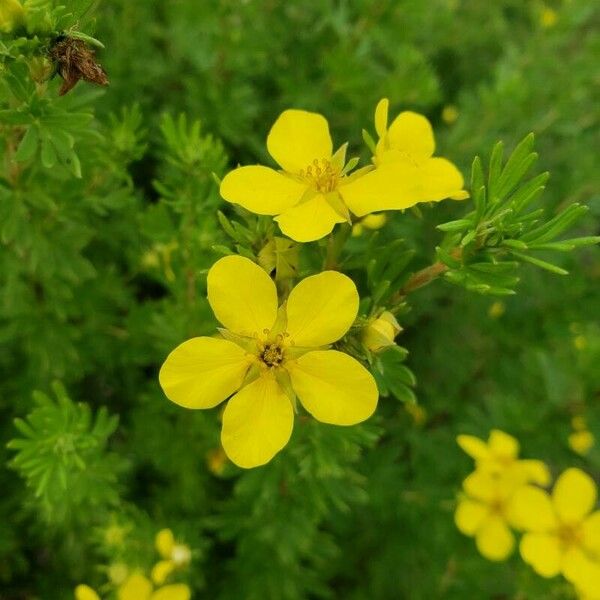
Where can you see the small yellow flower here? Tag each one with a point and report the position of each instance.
(175, 556)
(268, 356)
(216, 461)
(381, 332)
(12, 15)
(496, 309)
(562, 531)
(84, 592)
(581, 441)
(374, 221)
(548, 17)
(449, 114)
(485, 513)
(138, 587)
(500, 457)
(406, 171)
(580, 342)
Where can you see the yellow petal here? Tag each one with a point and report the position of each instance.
(84, 592)
(298, 138)
(503, 445)
(381, 116)
(257, 423)
(412, 134)
(534, 471)
(242, 295)
(440, 179)
(469, 516)
(531, 509)
(481, 486)
(310, 220)
(334, 387)
(494, 539)
(321, 309)
(161, 570)
(587, 578)
(261, 190)
(164, 542)
(473, 446)
(136, 587)
(591, 533)
(203, 371)
(391, 186)
(574, 495)
(542, 552)
(575, 565)
(177, 591)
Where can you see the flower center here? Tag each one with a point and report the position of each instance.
(570, 535)
(321, 175)
(272, 355)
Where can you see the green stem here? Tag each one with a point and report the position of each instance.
(335, 245)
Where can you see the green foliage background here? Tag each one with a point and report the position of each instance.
(101, 275)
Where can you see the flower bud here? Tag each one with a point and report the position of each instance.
(12, 15)
(380, 332)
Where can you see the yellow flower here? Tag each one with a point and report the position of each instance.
(380, 332)
(581, 442)
(306, 195)
(449, 114)
(12, 15)
(266, 357)
(216, 461)
(548, 17)
(485, 513)
(406, 171)
(500, 456)
(84, 592)
(374, 221)
(137, 587)
(174, 556)
(562, 533)
(497, 309)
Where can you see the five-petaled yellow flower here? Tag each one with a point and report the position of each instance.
(485, 512)
(562, 529)
(406, 171)
(314, 190)
(173, 555)
(267, 356)
(501, 456)
(138, 587)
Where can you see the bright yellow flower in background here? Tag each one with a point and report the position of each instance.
(174, 556)
(268, 355)
(406, 171)
(562, 529)
(374, 221)
(500, 456)
(306, 195)
(138, 587)
(485, 513)
(581, 440)
(85, 592)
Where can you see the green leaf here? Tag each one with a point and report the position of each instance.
(458, 225)
(495, 169)
(29, 144)
(540, 263)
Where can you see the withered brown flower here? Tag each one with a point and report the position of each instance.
(75, 60)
